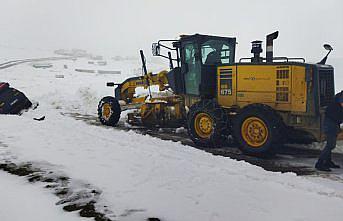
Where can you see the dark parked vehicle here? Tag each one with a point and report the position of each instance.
(12, 101)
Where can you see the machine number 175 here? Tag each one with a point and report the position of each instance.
(225, 92)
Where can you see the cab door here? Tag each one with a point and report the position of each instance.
(191, 68)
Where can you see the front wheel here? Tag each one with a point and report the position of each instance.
(109, 111)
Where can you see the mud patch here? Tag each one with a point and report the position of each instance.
(20, 170)
(131, 211)
(83, 200)
(74, 195)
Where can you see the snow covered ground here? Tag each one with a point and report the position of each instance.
(141, 176)
(20, 201)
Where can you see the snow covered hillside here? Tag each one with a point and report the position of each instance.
(140, 176)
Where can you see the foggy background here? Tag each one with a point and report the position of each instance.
(123, 27)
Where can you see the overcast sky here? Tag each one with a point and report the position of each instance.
(125, 26)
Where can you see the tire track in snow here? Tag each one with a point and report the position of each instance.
(22, 61)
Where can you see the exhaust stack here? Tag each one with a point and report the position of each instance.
(269, 49)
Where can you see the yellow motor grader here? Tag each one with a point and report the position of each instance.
(258, 101)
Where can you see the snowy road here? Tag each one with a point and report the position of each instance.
(294, 158)
(141, 176)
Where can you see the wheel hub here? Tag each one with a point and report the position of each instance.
(203, 125)
(254, 131)
(106, 111)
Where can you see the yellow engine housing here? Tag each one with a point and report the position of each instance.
(282, 87)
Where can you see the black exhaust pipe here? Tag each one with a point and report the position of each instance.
(269, 49)
(256, 49)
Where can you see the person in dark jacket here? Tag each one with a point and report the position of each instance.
(333, 119)
(214, 57)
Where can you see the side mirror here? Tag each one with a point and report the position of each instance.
(155, 49)
(328, 47)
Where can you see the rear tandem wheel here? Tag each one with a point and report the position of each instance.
(257, 129)
(207, 124)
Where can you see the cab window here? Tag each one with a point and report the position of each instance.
(215, 52)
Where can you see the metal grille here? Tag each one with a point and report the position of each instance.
(282, 94)
(225, 82)
(326, 86)
(282, 85)
(282, 74)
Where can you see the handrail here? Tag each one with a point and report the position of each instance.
(286, 59)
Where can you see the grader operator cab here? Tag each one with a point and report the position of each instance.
(258, 101)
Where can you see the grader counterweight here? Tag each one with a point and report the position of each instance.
(256, 100)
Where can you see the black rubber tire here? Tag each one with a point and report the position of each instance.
(272, 121)
(116, 111)
(219, 117)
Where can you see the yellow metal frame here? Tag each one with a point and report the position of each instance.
(128, 89)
